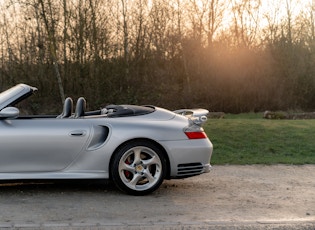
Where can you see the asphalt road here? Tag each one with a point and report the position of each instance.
(230, 197)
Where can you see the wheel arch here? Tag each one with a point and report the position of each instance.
(158, 145)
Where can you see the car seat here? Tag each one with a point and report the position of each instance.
(80, 108)
(67, 108)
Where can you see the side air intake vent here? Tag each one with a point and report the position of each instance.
(99, 136)
(186, 170)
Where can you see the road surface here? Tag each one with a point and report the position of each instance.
(229, 197)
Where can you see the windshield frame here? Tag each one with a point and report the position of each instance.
(13, 95)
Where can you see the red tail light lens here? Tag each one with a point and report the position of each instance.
(196, 135)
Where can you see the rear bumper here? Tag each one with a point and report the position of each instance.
(190, 170)
(207, 168)
(188, 157)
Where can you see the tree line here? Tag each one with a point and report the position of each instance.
(232, 56)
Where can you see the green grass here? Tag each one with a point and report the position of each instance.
(250, 139)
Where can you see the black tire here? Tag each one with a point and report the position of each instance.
(138, 167)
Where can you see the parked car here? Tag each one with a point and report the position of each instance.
(136, 147)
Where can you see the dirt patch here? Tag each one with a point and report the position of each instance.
(248, 193)
(228, 196)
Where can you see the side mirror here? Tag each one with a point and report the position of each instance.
(9, 112)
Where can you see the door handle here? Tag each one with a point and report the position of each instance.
(78, 133)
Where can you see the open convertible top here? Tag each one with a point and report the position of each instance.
(14, 95)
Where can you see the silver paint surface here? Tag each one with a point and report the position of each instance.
(51, 148)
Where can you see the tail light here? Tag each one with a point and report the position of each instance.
(196, 135)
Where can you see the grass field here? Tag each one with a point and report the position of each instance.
(250, 139)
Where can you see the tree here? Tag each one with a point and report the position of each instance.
(50, 26)
(245, 21)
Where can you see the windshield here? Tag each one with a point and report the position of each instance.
(6, 95)
(15, 94)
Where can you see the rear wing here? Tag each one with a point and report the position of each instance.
(197, 116)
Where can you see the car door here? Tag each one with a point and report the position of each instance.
(42, 144)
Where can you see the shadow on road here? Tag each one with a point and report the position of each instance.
(57, 186)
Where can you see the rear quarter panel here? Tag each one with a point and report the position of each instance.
(159, 126)
(165, 128)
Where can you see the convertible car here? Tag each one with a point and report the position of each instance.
(136, 147)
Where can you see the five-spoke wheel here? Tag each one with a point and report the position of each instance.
(138, 167)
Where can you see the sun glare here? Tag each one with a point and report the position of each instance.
(261, 11)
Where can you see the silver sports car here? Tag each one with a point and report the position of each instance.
(136, 147)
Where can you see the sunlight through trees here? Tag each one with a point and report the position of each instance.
(231, 56)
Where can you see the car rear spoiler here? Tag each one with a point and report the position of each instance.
(197, 116)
